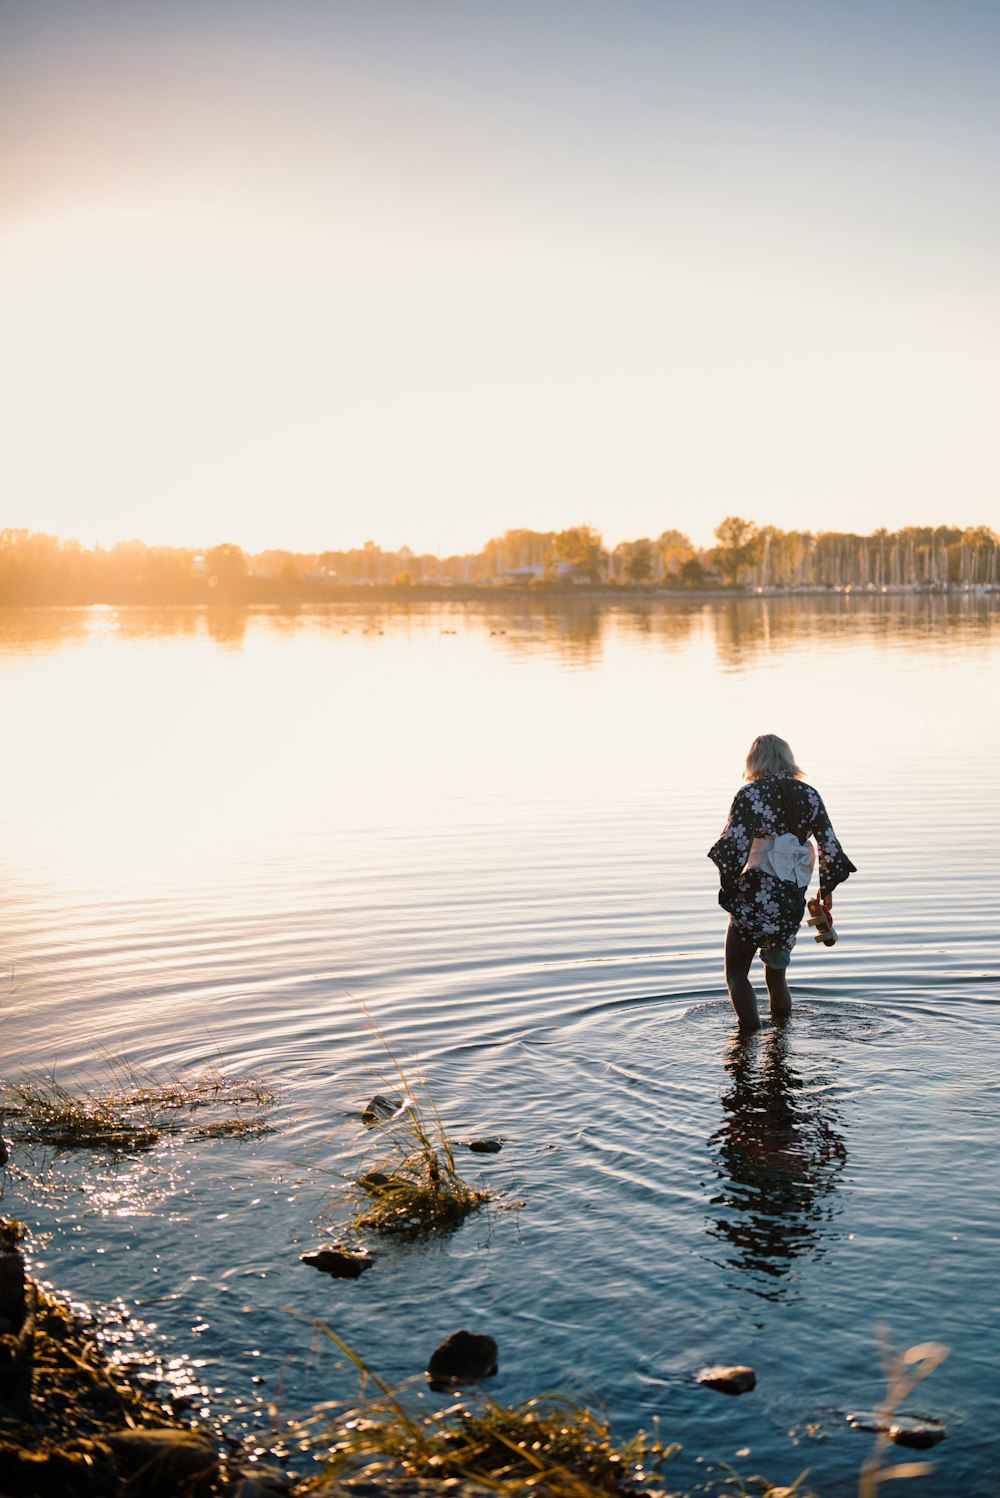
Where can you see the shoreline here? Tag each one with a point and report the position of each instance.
(73, 1423)
(546, 594)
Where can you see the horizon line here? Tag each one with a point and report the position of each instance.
(756, 528)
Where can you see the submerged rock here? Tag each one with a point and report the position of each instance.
(342, 1263)
(485, 1146)
(738, 1379)
(905, 1430)
(164, 1461)
(919, 1431)
(464, 1357)
(259, 1482)
(374, 1180)
(380, 1108)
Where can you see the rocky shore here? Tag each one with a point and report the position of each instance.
(72, 1425)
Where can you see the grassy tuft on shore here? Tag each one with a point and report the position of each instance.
(548, 1445)
(135, 1111)
(411, 1186)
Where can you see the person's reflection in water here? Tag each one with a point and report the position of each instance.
(778, 1154)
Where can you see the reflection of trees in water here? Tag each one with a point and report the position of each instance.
(149, 623)
(669, 624)
(575, 626)
(226, 626)
(747, 628)
(778, 1154)
(27, 629)
(24, 629)
(569, 624)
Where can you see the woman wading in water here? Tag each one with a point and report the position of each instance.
(765, 861)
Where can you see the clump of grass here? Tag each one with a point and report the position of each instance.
(903, 1371)
(548, 1445)
(412, 1187)
(134, 1112)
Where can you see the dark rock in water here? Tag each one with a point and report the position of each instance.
(164, 1461)
(735, 1380)
(375, 1180)
(260, 1482)
(485, 1146)
(905, 1430)
(342, 1263)
(918, 1433)
(380, 1108)
(11, 1290)
(464, 1357)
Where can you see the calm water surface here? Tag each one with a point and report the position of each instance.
(228, 836)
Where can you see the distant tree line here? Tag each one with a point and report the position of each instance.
(37, 568)
(930, 556)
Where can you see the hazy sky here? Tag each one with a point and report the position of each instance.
(305, 272)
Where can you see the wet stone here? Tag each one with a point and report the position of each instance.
(738, 1379)
(464, 1357)
(916, 1433)
(374, 1180)
(342, 1263)
(165, 1461)
(380, 1108)
(260, 1482)
(11, 1291)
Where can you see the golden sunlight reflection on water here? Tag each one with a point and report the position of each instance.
(145, 759)
(227, 835)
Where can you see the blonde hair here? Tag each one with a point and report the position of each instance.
(769, 755)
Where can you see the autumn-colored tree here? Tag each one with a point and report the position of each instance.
(693, 573)
(516, 550)
(673, 549)
(634, 560)
(583, 548)
(736, 538)
(226, 570)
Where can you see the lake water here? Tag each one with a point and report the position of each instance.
(230, 838)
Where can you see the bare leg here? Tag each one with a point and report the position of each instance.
(777, 992)
(739, 955)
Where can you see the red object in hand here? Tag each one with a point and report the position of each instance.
(820, 917)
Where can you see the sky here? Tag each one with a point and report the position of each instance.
(303, 273)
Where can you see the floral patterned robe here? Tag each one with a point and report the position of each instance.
(765, 910)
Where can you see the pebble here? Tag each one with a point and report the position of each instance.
(374, 1180)
(917, 1433)
(381, 1108)
(12, 1289)
(905, 1430)
(342, 1263)
(736, 1380)
(464, 1357)
(171, 1461)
